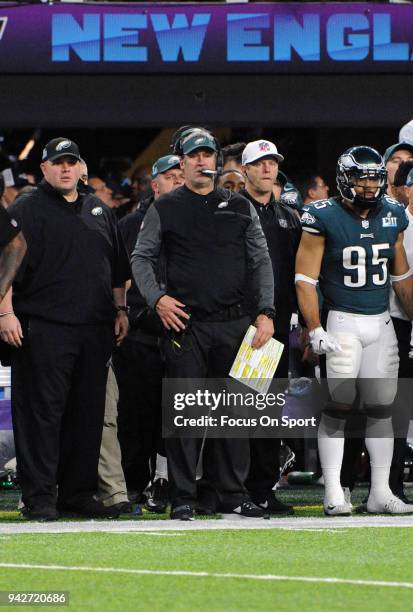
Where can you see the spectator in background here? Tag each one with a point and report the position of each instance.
(232, 156)
(84, 173)
(232, 179)
(114, 172)
(312, 188)
(14, 182)
(141, 178)
(400, 188)
(102, 191)
(139, 367)
(393, 157)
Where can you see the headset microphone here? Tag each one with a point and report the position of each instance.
(211, 173)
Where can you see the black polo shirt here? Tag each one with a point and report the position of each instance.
(75, 256)
(9, 228)
(282, 230)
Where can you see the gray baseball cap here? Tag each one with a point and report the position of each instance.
(399, 146)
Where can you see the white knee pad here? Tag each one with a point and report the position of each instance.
(344, 363)
(388, 359)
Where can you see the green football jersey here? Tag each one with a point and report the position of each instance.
(355, 273)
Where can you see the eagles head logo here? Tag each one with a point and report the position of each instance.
(65, 144)
(290, 197)
(346, 161)
(308, 218)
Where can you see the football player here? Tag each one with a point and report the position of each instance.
(353, 245)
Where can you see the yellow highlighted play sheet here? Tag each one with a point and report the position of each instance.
(256, 367)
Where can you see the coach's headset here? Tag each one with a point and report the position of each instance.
(184, 131)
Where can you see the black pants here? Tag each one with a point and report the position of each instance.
(265, 452)
(207, 350)
(139, 370)
(58, 402)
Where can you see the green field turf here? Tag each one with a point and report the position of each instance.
(367, 554)
(265, 556)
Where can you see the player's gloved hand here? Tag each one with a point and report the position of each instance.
(322, 343)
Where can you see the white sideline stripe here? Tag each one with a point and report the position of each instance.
(317, 529)
(269, 577)
(154, 533)
(239, 523)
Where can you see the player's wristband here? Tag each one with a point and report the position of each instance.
(305, 279)
(396, 279)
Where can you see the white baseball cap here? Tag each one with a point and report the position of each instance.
(260, 148)
(406, 133)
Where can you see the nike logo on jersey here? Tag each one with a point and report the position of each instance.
(387, 322)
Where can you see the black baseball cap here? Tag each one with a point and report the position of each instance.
(60, 147)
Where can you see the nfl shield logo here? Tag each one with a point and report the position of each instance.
(365, 224)
(264, 145)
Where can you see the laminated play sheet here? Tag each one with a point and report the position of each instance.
(256, 367)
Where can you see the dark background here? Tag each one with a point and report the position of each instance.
(312, 119)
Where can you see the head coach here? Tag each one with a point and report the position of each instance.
(210, 238)
(69, 305)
